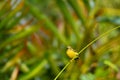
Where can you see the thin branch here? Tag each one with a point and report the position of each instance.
(84, 49)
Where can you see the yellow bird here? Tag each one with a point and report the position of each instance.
(71, 53)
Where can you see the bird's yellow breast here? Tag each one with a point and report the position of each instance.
(71, 53)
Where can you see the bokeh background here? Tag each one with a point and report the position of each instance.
(35, 34)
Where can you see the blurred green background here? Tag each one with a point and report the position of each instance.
(35, 34)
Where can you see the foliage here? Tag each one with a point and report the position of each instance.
(35, 34)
